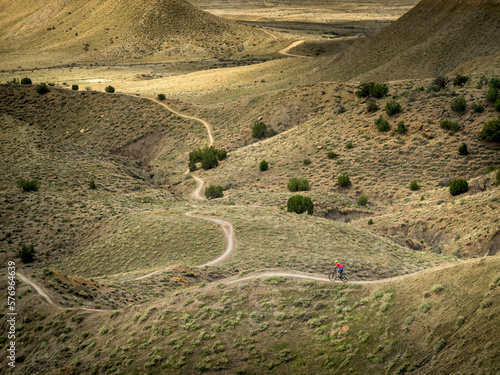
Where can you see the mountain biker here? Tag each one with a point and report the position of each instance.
(340, 268)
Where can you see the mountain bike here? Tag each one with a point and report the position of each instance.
(333, 275)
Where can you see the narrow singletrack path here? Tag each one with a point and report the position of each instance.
(285, 50)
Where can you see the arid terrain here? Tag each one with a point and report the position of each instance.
(107, 113)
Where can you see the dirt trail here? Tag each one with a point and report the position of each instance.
(197, 192)
(285, 50)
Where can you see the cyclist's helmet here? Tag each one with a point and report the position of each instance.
(336, 261)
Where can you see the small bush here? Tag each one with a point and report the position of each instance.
(437, 288)
(300, 204)
(26, 81)
(343, 180)
(349, 145)
(362, 200)
(27, 254)
(382, 125)
(460, 80)
(298, 184)
(208, 156)
(74, 87)
(478, 108)
(371, 106)
(307, 161)
(109, 89)
(424, 307)
(458, 186)
(259, 129)
(364, 89)
(92, 185)
(161, 97)
(271, 132)
(460, 321)
(263, 166)
(402, 128)
(449, 125)
(414, 185)
(220, 153)
(491, 131)
(42, 88)
(376, 90)
(392, 107)
(370, 222)
(458, 104)
(28, 185)
(331, 155)
(214, 191)
(441, 81)
(438, 345)
(462, 149)
(493, 94)
(497, 105)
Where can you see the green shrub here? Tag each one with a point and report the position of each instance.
(26, 81)
(493, 94)
(449, 125)
(42, 88)
(438, 345)
(462, 149)
(460, 80)
(110, 89)
(370, 222)
(307, 161)
(392, 107)
(161, 97)
(371, 106)
(497, 105)
(208, 157)
(424, 307)
(92, 184)
(382, 125)
(331, 155)
(298, 184)
(349, 145)
(362, 200)
(401, 127)
(209, 160)
(376, 90)
(441, 81)
(343, 180)
(300, 204)
(458, 186)
(271, 132)
(259, 129)
(437, 288)
(220, 153)
(213, 191)
(478, 108)
(414, 185)
(458, 104)
(491, 131)
(27, 254)
(74, 87)
(263, 166)
(28, 185)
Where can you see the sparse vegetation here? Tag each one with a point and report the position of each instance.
(92, 184)
(74, 87)
(214, 191)
(376, 90)
(362, 200)
(402, 128)
(298, 184)
(441, 81)
(263, 166)
(331, 155)
(459, 186)
(343, 180)
(478, 108)
(300, 204)
(491, 131)
(109, 89)
(460, 80)
(349, 145)
(26, 81)
(459, 104)
(382, 125)
(392, 107)
(424, 307)
(306, 161)
(162, 97)
(414, 185)
(371, 106)
(370, 222)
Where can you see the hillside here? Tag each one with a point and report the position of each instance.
(434, 37)
(445, 321)
(56, 32)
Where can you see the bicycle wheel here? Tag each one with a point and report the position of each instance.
(332, 275)
(344, 277)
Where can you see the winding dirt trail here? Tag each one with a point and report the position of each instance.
(285, 50)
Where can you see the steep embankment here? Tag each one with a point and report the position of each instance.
(432, 38)
(63, 32)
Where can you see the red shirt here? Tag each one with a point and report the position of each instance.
(339, 265)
